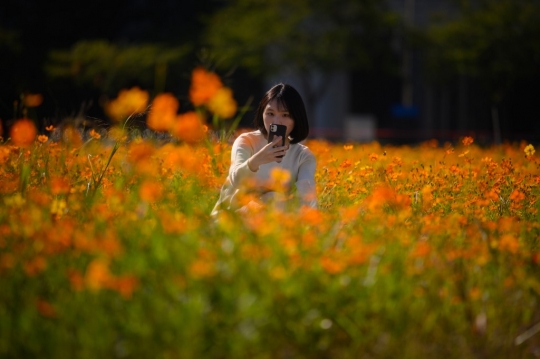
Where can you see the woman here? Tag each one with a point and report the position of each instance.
(252, 157)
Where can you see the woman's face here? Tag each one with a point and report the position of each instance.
(273, 113)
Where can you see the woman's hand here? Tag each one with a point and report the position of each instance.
(268, 154)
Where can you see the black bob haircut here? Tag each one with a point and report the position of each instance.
(287, 97)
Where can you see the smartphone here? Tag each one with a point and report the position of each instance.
(277, 130)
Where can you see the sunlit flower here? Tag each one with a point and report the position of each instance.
(35, 265)
(128, 102)
(345, 164)
(58, 207)
(204, 86)
(529, 150)
(467, 140)
(222, 103)
(189, 128)
(140, 151)
(43, 138)
(50, 128)
(32, 99)
(151, 191)
(204, 265)
(97, 275)
(23, 132)
(280, 175)
(332, 265)
(94, 134)
(163, 111)
(279, 179)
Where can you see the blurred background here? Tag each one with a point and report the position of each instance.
(396, 71)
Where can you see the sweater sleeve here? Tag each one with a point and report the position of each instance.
(241, 151)
(305, 182)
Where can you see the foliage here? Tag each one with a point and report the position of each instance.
(107, 249)
(105, 66)
(495, 41)
(306, 37)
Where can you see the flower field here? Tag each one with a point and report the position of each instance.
(107, 249)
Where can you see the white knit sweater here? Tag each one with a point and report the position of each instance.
(299, 161)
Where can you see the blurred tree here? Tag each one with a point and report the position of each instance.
(494, 41)
(308, 37)
(10, 49)
(32, 29)
(109, 67)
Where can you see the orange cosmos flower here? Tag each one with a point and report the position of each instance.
(50, 128)
(222, 103)
(421, 249)
(509, 242)
(280, 175)
(45, 308)
(140, 151)
(76, 279)
(517, 196)
(204, 86)
(127, 103)
(35, 266)
(311, 216)
(23, 132)
(162, 115)
(43, 138)
(151, 191)
(467, 141)
(125, 285)
(189, 128)
(32, 99)
(373, 157)
(98, 275)
(332, 265)
(204, 265)
(94, 134)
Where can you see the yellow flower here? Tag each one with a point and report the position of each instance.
(280, 175)
(222, 103)
(127, 103)
(529, 150)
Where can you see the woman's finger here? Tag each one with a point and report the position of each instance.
(276, 140)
